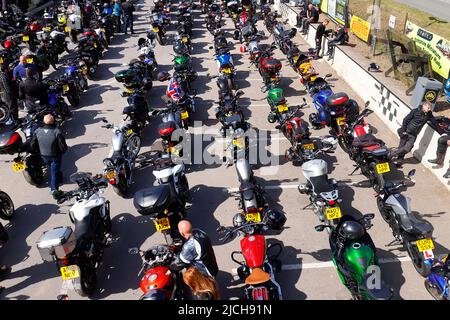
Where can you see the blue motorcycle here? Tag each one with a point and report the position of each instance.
(437, 282)
(55, 101)
(225, 79)
(447, 90)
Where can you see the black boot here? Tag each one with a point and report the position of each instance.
(447, 174)
(439, 160)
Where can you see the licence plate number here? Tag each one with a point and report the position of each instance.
(253, 217)
(425, 244)
(95, 45)
(309, 146)
(383, 168)
(18, 166)
(185, 39)
(1, 60)
(155, 29)
(70, 272)
(226, 70)
(283, 108)
(67, 29)
(340, 121)
(239, 142)
(184, 115)
(333, 213)
(66, 87)
(26, 38)
(162, 224)
(129, 90)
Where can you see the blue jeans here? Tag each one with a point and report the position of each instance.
(54, 163)
(128, 22)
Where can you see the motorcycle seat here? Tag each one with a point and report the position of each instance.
(257, 276)
(378, 152)
(280, 101)
(229, 121)
(414, 226)
(366, 140)
(383, 293)
(321, 184)
(85, 228)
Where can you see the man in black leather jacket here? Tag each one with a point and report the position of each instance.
(443, 143)
(411, 127)
(197, 251)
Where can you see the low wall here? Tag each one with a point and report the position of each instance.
(388, 106)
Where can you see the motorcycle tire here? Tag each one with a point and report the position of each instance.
(134, 145)
(343, 145)
(121, 187)
(378, 180)
(88, 280)
(6, 206)
(74, 99)
(417, 260)
(185, 123)
(185, 186)
(384, 214)
(4, 113)
(432, 290)
(159, 39)
(33, 175)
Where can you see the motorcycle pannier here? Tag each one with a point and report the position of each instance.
(339, 99)
(152, 201)
(10, 142)
(272, 65)
(57, 242)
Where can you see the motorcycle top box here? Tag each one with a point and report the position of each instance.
(271, 65)
(10, 142)
(315, 168)
(57, 242)
(154, 200)
(247, 31)
(125, 75)
(337, 101)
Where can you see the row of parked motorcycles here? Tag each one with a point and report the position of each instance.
(353, 252)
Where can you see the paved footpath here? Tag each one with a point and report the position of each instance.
(307, 270)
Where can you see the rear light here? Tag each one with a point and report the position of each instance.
(260, 293)
(13, 139)
(324, 122)
(302, 81)
(64, 261)
(166, 131)
(331, 202)
(252, 210)
(112, 182)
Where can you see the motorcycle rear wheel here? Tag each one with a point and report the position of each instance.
(121, 188)
(33, 176)
(432, 290)
(4, 113)
(377, 180)
(73, 99)
(417, 260)
(88, 280)
(134, 145)
(6, 206)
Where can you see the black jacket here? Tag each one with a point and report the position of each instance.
(31, 90)
(49, 141)
(128, 9)
(314, 14)
(415, 120)
(321, 31)
(8, 88)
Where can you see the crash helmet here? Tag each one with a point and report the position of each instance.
(62, 21)
(275, 219)
(351, 230)
(8, 44)
(179, 48)
(151, 35)
(238, 220)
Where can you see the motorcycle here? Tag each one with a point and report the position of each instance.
(119, 167)
(283, 38)
(437, 281)
(159, 23)
(269, 67)
(159, 282)
(258, 268)
(74, 82)
(78, 253)
(228, 108)
(87, 53)
(323, 193)
(164, 204)
(6, 206)
(415, 235)
(354, 257)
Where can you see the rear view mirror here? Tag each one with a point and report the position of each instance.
(239, 93)
(412, 173)
(366, 104)
(328, 75)
(319, 228)
(105, 121)
(211, 47)
(368, 216)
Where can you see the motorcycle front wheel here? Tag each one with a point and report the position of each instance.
(121, 187)
(343, 144)
(433, 291)
(134, 145)
(6, 206)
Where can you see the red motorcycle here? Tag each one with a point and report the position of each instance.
(269, 67)
(258, 268)
(29, 35)
(159, 281)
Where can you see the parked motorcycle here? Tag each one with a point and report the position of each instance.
(6, 206)
(78, 253)
(354, 256)
(415, 235)
(437, 282)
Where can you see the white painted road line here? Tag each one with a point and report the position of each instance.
(328, 264)
(273, 187)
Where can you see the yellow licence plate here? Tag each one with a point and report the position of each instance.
(226, 70)
(47, 28)
(185, 39)
(67, 29)
(283, 108)
(253, 217)
(383, 167)
(425, 244)
(129, 131)
(110, 175)
(1, 60)
(340, 121)
(95, 45)
(18, 166)
(239, 142)
(129, 90)
(155, 29)
(309, 146)
(184, 115)
(102, 30)
(30, 60)
(26, 38)
(173, 150)
(333, 213)
(69, 272)
(66, 87)
(162, 224)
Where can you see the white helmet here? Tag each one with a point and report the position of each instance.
(146, 50)
(47, 15)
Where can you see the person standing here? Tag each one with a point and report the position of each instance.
(51, 145)
(20, 71)
(321, 30)
(443, 143)
(8, 91)
(128, 9)
(411, 126)
(117, 13)
(32, 91)
(312, 16)
(197, 251)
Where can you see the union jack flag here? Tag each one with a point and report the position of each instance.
(174, 91)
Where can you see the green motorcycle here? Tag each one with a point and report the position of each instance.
(183, 66)
(278, 105)
(355, 259)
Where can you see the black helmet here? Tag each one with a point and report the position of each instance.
(214, 7)
(180, 48)
(351, 230)
(275, 219)
(151, 35)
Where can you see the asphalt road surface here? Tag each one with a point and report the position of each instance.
(307, 269)
(438, 8)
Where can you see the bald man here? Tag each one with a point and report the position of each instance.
(51, 144)
(197, 250)
(20, 71)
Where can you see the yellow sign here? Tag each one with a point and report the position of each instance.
(333, 213)
(437, 47)
(360, 28)
(324, 6)
(253, 217)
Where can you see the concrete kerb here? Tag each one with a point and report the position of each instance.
(386, 104)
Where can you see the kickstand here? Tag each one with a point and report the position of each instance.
(393, 242)
(309, 205)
